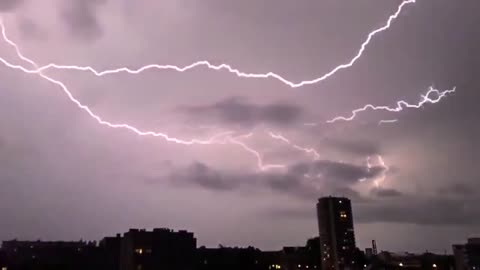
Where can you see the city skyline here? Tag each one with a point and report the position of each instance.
(410, 171)
(333, 248)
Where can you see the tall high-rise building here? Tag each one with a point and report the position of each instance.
(337, 238)
(467, 256)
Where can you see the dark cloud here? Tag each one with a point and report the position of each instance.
(30, 29)
(301, 180)
(238, 111)
(457, 189)
(201, 175)
(356, 147)
(81, 19)
(420, 210)
(8, 5)
(337, 172)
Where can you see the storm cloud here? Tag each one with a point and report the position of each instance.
(9, 5)
(304, 180)
(81, 18)
(239, 111)
(65, 176)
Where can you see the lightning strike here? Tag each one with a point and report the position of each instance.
(228, 67)
(225, 137)
(260, 162)
(313, 152)
(401, 105)
(221, 138)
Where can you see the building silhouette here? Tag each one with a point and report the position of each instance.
(337, 238)
(467, 256)
(157, 249)
(139, 249)
(26, 255)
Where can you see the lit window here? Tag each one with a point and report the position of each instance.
(4, 268)
(139, 251)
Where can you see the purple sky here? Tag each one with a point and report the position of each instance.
(64, 176)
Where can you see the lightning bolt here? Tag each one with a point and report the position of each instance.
(401, 105)
(224, 137)
(254, 152)
(387, 121)
(313, 152)
(228, 67)
(382, 163)
(221, 138)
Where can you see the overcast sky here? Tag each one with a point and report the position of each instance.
(64, 176)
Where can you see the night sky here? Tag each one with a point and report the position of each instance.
(65, 176)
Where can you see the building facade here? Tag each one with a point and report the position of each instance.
(337, 237)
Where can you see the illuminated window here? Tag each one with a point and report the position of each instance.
(139, 251)
(4, 268)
